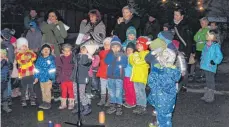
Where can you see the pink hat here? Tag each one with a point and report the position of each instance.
(13, 40)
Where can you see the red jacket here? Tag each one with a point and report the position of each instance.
(102, 71)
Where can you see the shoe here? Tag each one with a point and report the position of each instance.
(87, 110)
(119, 110)
(9, 100)
(71, 103)
(102, 100)
(128, 106)
(42, 105)
(140, 110)
(89, 95)
(57, 99)
(75, 110)
(5, 107)
(200, 79)
(205, 94)
(33, 103)
(45, 106)
(211, 96)
(23, 103)
(63, 103)
(191, 78)
(108, 104)
(112, 109)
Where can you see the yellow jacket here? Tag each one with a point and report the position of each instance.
(140, 68)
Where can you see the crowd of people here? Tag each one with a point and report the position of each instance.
(117, 69)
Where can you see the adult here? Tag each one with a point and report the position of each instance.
(123, 23)
(214, 26)
(152, 28)
(29, 18)
(34, 37)
(94, 27)
(54, 31)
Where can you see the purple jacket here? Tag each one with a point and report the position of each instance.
(64, 68)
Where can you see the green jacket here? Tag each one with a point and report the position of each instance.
(51, 34)
(200, 38)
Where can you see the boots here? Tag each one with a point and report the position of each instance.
(112, 109)
(5, 107)
(205, 94)
(119, 110)
(87, 110)
(71, 103)
(211, 96)
(102, 101)
(140, 110)
(108, 102)
(63, 103)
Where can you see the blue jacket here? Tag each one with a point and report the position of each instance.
(211, 53)
(128, 70)
(115, 69)
(45, 68)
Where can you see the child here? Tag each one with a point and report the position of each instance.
(34, 37)
(162, 81)
(211, 56)
(129, 85)
(102, 72)
(45, 73)
(140, 73)
(25, 59)
(82, 62)
(4, 79)
(116, 62)
(130, 36)
(166, 27)
(64, 71)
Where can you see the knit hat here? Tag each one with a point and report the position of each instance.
(116, 41)
(167, 36)
(142, 40)
(22, 41)
(107, 39)
(13, 40)
(46, 46)
(91, 47)
(6, 34)
(166, 25)
(131, 30)
(33, 25)
(131, 45)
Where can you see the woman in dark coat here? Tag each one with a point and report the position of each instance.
(123, 23)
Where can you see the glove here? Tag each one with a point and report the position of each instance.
(212, 62)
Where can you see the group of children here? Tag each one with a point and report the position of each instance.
(122, 68)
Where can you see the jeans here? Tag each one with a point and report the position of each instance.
(103, 86)
(115, 91)
(140, 94)
(83, 98)
(7, 92)
(210, 79)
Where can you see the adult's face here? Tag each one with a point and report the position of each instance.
(52, 17)
(33, 13)
(204, 23)
(151, 19)
(92, 18)
(126, 14)
(177, 16)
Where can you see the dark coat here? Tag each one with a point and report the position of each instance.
(10, 51)
(152, 29)
(64, 68)
(120, 29)
(81, 67)
(187, 36)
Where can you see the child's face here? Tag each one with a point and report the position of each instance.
(116, 48)
(83, 50)
(46, 52)
(67, 51)
(32, 29)
(139, 47)
(24, 48)
(131, 37)
(210, 37)
(129, 51)
(165, 29)
(203, 23)
(107, 45)
(2, 55)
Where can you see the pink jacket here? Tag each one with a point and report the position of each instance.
(94, 66)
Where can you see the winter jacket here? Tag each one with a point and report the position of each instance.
(26, 63)
(116, 65)
(140, 67)
(152, 29)
(186, 34)
(120, 29)
(128, 70)
(10, 51)
(34, 39)
(4, 70)
(64, 68)
(200, 38)
(27, 21)
(211, 53)
(97, 31)
(45, 68)
(102, 71)
(94, 66)
(82, 65)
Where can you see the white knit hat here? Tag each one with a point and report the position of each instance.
(107, 39)
(21, 41)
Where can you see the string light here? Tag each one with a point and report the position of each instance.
(201, 8)
(198, 2)
(163, 1)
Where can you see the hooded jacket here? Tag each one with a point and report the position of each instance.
(200, 38)
(34, 39)
(102, 71)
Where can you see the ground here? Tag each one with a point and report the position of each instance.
(190, 111)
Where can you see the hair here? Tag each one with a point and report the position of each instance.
(64, 46)
(59, 17)
(129, 8)
(212, 33)
(204, 19)
(214, 22)
(97, 13)
(180, 10)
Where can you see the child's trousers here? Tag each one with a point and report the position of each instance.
(27, 81)
(140, 94)
(67, 90)
(46, 91)
(129, 91)
(103, 86)
(83, 98)
(115, 91)
(210, 79)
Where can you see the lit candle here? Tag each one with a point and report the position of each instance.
(40, 116)
(101, 117)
